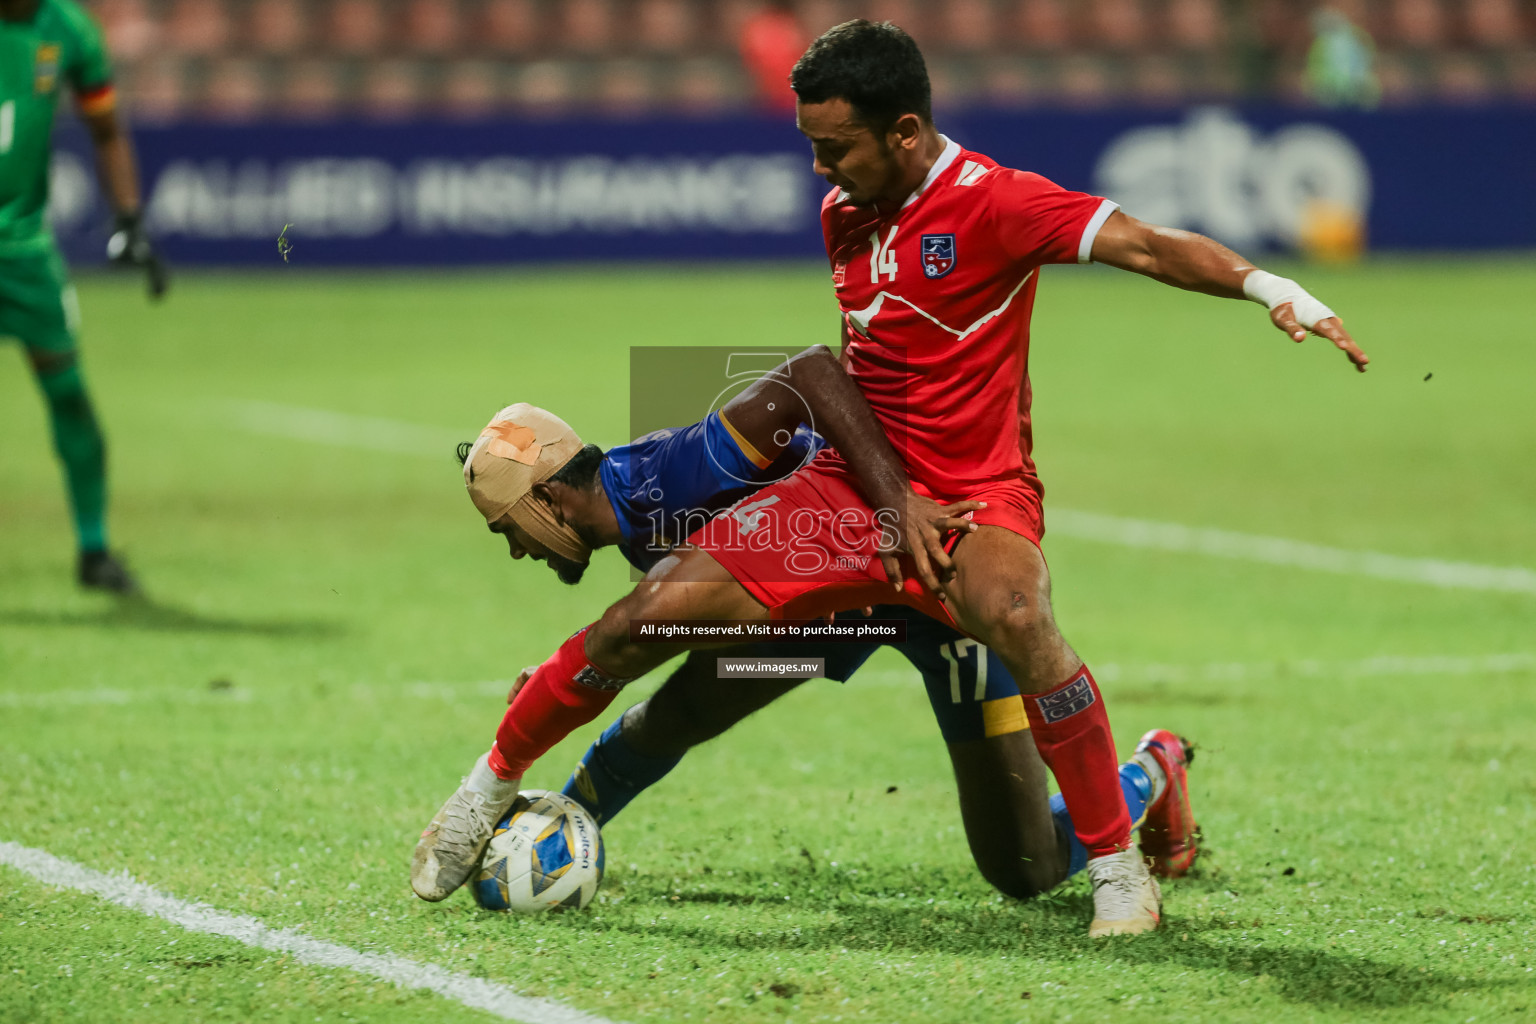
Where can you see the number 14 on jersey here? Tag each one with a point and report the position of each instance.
(883, 259)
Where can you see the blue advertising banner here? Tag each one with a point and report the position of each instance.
(539, 191)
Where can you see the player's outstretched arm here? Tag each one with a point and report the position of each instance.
(119, 173)
(1187, 260)
(814, 383)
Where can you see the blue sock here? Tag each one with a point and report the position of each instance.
(1138, 791)
(612, 773)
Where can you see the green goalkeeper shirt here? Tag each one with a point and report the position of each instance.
(59, 45)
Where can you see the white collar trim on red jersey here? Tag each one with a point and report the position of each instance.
(951, 152)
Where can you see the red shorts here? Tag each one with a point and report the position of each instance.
(806, 546)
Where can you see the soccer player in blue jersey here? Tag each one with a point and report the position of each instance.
(645, 496)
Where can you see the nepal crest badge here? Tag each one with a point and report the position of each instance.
(938, 255)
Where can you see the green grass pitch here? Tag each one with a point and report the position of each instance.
(333, 631)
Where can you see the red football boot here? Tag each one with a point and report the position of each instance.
(1169, 836)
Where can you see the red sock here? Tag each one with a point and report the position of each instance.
(1071, 731)
(566, 692)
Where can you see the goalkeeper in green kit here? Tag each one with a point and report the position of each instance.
(47, 47)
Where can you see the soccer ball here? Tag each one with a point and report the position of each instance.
(546, 853)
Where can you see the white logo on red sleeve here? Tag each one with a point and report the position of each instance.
(971, 173)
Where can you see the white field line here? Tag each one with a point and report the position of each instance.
(343, 430)
(1107, 672)
(322, 426)
(1248, 547)
(199, 917)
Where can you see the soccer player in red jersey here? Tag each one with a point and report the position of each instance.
(935, 252)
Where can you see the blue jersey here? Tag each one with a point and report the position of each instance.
(667, 484)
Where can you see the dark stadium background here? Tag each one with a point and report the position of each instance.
(487, 131)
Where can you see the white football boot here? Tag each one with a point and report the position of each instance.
(1126, 898)
(452, 844)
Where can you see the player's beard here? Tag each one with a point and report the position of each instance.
(568, 571)
(893, 172)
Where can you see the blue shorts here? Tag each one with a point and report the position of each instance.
(972, 693)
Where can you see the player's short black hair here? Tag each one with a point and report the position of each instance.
(875, 66)
(581, 469)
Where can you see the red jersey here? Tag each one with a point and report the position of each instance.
(936, 298)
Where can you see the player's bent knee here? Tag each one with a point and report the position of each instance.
(1024, 634)
(1022, 868)
(1017, 626)
(1022, 881)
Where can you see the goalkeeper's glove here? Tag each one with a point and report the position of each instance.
(130, 246)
